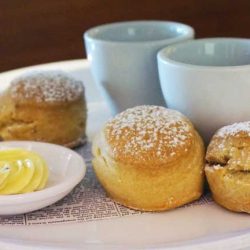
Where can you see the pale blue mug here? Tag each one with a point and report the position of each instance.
(124, 63)
(208, 80)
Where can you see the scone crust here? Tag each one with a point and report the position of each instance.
(151, 182)
(45, 88)
(228, 166)
(149, 136)
(44, 106)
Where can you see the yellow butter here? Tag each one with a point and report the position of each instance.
(21, 171)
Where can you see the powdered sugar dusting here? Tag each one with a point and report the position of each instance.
(46, 86)
(148, 131)
(235, 129)
(213, 168)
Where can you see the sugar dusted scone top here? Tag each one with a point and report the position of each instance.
(149, 135)
(230, 146)
(46, 87)
(236, 129)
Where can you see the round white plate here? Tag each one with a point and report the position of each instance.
(199, 227)
(66, 170)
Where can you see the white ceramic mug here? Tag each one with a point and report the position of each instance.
(208, 80)
(123, 59)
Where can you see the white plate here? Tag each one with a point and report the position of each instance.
(199, 227)
(66, 170)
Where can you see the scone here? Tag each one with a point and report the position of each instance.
(150, 158)
(44, 106)
(228, 167)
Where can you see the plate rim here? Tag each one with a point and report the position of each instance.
(204, 242)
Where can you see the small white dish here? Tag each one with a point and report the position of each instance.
(66, 170)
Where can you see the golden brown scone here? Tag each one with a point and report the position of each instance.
(44, 106)
(228, 167)
(150, 158)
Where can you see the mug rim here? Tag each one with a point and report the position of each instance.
(163, 56)
(189, 32)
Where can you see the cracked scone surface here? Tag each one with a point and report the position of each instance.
(228, 167)
(150, 158)
(44, 106)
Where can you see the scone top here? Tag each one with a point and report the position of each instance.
(149, 135)
(230, 147)
(49, 87)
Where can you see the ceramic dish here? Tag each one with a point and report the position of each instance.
(66, 170)
(204, 226)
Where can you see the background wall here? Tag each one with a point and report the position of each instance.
(39, 31)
